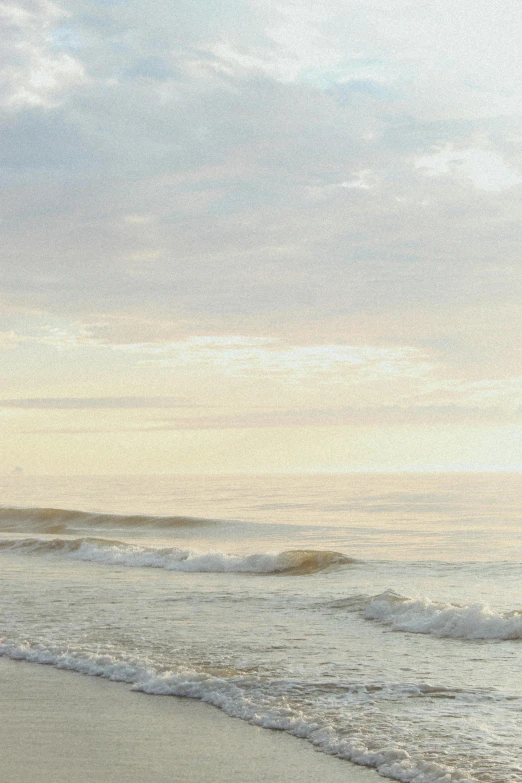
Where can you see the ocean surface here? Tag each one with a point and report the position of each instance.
(378, 617)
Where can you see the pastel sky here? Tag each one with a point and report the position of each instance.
(256, 236)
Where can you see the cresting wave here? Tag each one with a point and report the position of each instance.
(256, 700)
(296, 562)
(58, 520)
(420, 615)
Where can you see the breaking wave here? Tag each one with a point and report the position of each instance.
(58, 520)
(263, 702)
(421, 615)
(295, 562)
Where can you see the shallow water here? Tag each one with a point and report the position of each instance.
(379, 617)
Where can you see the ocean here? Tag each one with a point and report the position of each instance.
(378, 617)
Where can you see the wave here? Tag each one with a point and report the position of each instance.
(421, 615)
(294, 562)
(256, 700)
(58, 520)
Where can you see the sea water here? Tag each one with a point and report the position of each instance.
(378, 617)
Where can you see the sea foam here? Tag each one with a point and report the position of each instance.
(421, 615)
(296, 562)
(246, 698)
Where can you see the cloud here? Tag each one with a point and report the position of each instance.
(10, 339)
(36, 73)
(485, 168)
(94, 403)
(250, 168)
(505, 393)
(383, 416)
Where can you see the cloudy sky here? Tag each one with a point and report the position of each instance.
(260, 236)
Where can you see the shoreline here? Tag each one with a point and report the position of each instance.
(60, 726)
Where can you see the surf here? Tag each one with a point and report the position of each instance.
(116, 553)
(424, 616)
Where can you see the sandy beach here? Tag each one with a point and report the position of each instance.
(59, 726)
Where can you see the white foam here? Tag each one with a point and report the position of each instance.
(173, 559)
(421, 615)
(237, 698)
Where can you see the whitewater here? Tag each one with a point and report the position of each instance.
(377, 617)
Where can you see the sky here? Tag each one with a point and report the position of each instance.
(256, 236)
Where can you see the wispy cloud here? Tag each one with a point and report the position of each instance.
(377, 417)
(261, 356)
(94, 403)
(10, 339)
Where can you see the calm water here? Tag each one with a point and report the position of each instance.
(379, 617)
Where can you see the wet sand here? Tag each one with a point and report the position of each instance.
(58, 726)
